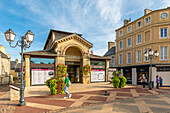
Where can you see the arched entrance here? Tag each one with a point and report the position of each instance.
(73, 58)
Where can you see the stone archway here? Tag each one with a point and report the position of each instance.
(73, 58)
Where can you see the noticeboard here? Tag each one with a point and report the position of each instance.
(97, 75)
(39, 76)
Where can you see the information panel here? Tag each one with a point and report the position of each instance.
(39, 76)
(97, 75)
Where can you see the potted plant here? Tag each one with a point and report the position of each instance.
(52, 85)
(118, 81)
(61, 71)
(86, 69)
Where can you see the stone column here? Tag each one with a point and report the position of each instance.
(59, 60)
(154, 73)
(86, 78)
(107, 70)
(134, 76)
(27, 70)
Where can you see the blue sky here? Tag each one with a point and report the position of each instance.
(95, 19)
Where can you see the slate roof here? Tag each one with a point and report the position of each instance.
(111, 51)
(47, 52)
(98, 57)
(3, 55)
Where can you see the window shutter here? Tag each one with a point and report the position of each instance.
(161, 53)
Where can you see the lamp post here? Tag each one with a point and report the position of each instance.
(150, 55)
(23, 42)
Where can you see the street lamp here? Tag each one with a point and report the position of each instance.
(23, 42)
(150, 55)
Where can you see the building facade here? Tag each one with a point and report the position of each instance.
(64, 48)
(151, 31)
(111, 53)
(15, 71)
(4, 66)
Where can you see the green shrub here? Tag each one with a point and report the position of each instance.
(116, 82)
(52, 84)
(117, 79)
(123, 81)
(62, 88)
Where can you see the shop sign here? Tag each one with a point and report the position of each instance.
(97, 75)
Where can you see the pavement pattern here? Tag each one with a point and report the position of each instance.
(128, 101)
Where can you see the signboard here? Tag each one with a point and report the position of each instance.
(97, 75)
(39, 76)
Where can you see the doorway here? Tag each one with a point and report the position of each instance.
(74, 73)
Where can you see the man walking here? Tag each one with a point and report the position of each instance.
(157, 81)
(66, 86)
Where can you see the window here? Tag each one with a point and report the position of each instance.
(139, 24)
(139, 56)
(121, 45)
(121, 32)
(164, 53)
(129, 42)
(129, 58)
(148, 20)
(129, 29)
(139, 39)
(146, 58)
(163, 32)
(120, 59)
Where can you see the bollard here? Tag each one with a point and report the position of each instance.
(106, 93)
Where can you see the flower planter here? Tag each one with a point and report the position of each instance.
(59, 85)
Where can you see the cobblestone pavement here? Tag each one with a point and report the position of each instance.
(6, 106)
(150, 101)
(144, 104)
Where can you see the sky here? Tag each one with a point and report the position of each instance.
(97, 20)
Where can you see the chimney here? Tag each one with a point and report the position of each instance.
(2, 48)
(146, 11)
(127, 21)
(16, 60)
(110, 45)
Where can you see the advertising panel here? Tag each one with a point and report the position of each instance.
(97, 75)
(39, 76)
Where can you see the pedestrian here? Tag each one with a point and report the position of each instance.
(157, 81)
(143, 80)
(66, 86)
(161, 81)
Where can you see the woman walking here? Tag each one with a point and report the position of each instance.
(157, 81)
(66, 86)
(143, 80)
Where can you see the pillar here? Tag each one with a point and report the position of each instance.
(59, 60)
(27, 70)
(154, 73)
(86, 78)
(107, 70)
(134, 76)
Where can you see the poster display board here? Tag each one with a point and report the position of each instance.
(39, 76)
(97, 75)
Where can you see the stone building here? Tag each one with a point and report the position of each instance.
(64, 48)
(111, 53)
(4, 66)
(151, 31)
(15, 70)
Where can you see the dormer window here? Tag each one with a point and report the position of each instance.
(129, 29)
(121, 32)
(148, 20)
(139, 24)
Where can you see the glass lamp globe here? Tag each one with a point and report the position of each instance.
(10, 35)
(156, 53)
(150, 52)
(146, 54)
(29, 36)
